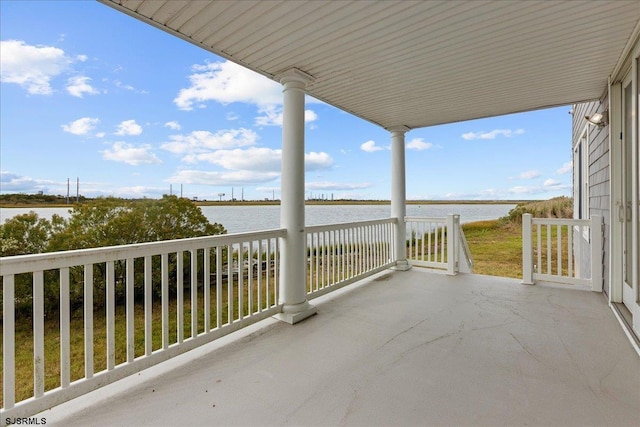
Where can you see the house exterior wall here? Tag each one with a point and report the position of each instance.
(598, 167)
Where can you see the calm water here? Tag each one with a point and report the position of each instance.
(238, 219)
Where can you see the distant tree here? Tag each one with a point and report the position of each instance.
(100, 223)
(25, 234)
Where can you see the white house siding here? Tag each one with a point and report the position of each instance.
(598, 167)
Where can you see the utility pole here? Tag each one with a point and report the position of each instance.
(232, 199)
(67, 190)
(242, 197)
(171, 189)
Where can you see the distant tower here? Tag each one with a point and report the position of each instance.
(67, 190)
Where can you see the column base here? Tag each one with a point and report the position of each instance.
(402, 266)
(294, 313)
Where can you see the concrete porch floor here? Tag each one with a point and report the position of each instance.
(412, 348)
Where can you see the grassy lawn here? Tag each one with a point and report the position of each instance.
(496, 247)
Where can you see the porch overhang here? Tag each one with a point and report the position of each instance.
(414, 63)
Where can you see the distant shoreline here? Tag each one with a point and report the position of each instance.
(308, 202)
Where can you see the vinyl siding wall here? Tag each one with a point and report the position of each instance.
(598, 172)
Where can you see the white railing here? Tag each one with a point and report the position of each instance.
(340, 254)
(565, 251)
(438, 243)
(229, 281)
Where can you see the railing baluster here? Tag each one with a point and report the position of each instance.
(130, 309)
(335, 256)
(579, 272)
(111, 316)
(230, 284)
(269, 272)
(8, 342)
(38, 333)
(276, 276)
(65, 337)
(148, 307)
(241, 281)
(179, 297)
(207, 290)
(570, 271)
(559, 249)
(260, 272)
(250, 280)
(218, 286)
(194, 293)
(88, 320)
(539, 246)
(165, 299)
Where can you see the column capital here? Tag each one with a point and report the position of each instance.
(294, 75)
(398, 128)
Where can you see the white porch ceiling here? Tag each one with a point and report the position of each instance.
(414, 63)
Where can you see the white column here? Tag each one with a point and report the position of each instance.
(398, 196)
(293, 281)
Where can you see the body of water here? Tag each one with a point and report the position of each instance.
(239, 219)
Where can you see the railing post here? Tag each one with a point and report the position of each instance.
(452, 252)
(596, 253)
(527, 251)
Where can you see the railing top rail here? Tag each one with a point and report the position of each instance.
(425, 219)
(342, 225)
(52, 260)
(560, 221)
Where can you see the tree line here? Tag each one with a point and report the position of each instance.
(99, 223)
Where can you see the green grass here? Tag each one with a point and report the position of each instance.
(496, 247)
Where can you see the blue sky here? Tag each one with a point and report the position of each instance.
(90, 93)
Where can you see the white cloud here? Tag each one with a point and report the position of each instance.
(272, 116)
(100, 135)
(336, 186)
(79, 85)
(31, 67)
(254, 158)
(227, 82)
(202, 141)
(259, 159)
(551, 182)
(14, 183)
(529, 174)
(173, 125)
(310, 116)
(130, 154)
(418, 144)
(231, 116)
(222, 178)
(121, 85)
(370, 146)
(315, 161)
(81, 126)
(565, 168)
(507, 133)
(129, 127)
